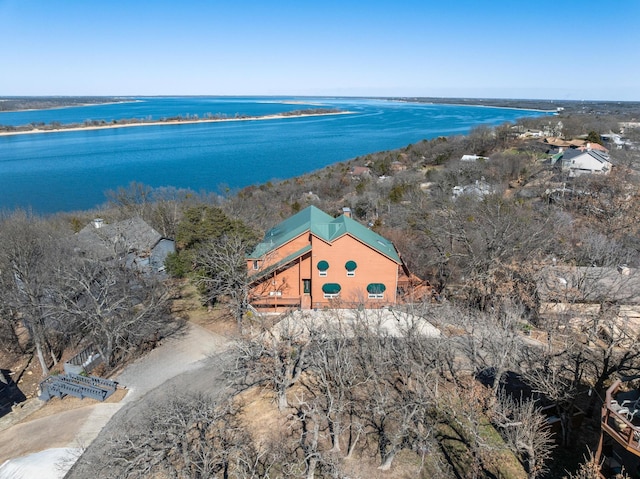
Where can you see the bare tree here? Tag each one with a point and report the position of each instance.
(397, 390)
(493, 340)
(221, 272)
(334, 377)
(307, 417)
(276, 357)
(185, 436)
(133, 200)
(526, 432)
(557, 374)
(29, 263)
(116, 307)
(487, 247)
(590, 469)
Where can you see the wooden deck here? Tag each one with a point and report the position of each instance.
(621, 420)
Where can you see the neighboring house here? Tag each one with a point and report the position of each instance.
(313, 260)
(579, 162)
(473, 158)
(532, 134)
(580, 294)
(593, 146)
(397, 166)
(478, 190)
(309, 197)
(133, 240)
(561, 143)
(615, 140)
(360, 172)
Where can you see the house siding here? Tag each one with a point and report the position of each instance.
(372, 268)
(283, 288)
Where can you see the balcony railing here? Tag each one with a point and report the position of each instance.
(276, 301)
(618, 420)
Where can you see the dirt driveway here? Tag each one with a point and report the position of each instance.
(175, 360)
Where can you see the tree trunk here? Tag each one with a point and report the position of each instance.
(51, 353)
(15, 338)
(43, 364)
(387, 460)
(283, 403)
(352, 445)
(352, 440)
(109, 351)
(334, 427)
(312, 460)
(531, 462)
(311, 467)
(565, 423)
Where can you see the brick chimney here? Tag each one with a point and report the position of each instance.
(346, 211)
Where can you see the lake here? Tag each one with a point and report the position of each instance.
(71, 170)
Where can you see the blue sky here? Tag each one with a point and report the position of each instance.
(562, 49)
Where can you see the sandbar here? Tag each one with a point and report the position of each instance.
(172, 122)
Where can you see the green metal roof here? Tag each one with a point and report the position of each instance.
(325, 227)
(289, 229)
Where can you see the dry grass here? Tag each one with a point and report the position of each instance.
(56, 405)
(268, 425)
(188, 306)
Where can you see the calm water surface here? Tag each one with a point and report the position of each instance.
(71, 170)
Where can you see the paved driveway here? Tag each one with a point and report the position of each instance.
(59, 438)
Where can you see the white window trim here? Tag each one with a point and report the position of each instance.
(275, 293)
(331, 295)
(322, 274)
(351, 274)
(376, 295)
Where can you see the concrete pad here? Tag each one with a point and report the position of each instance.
(48, 464)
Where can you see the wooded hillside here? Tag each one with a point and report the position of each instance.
(484, 230)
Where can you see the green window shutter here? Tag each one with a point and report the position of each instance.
(376, 288)
(350, 265)
(323, 265)
(331, 288)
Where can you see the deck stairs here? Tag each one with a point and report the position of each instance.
(78, 386)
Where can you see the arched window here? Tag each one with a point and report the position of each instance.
(376, 290)
(323, 266)
(351, 266)
(331, 290)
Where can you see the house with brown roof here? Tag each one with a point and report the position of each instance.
(360, 172)
(313, 260)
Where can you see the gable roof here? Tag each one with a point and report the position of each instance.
(133, 234)
(593, 146)
(589, 284)
(597, 155)
(325, 227)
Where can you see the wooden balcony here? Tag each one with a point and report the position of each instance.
(276, 302)
(621, 418)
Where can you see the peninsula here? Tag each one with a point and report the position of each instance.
(176, 120)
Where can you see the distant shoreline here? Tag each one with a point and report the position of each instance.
(470, 104)
(276, 116)
(64, 107)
